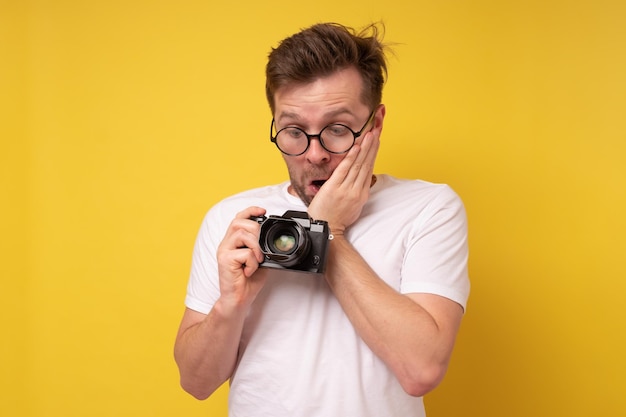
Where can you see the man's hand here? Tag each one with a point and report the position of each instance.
(207, 344)
(238, 257)
(341, 199)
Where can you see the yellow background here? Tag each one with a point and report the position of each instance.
(122, 122)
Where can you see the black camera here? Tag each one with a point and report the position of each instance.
(294, 241)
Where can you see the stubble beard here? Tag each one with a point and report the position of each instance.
(300, 187)
(306, 199)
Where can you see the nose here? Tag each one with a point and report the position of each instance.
(316, 154)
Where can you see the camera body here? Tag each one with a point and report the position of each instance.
(294, 241)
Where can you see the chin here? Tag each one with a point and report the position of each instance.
(303, 195)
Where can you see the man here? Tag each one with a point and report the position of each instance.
(373, 333)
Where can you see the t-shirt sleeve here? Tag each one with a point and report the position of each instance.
(203, 286)
(437, 251)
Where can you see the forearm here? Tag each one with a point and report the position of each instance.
(207, 345)
(398, 330)
(206, 352)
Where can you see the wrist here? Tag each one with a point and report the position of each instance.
(337, 245)
(336, 232)
(230, 310)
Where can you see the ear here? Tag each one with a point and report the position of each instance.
(379, 117)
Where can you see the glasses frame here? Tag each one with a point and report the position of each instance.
(319, 135)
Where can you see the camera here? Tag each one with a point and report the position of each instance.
(294, 241)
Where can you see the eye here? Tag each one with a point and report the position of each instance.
(292, 133)
(337, 130)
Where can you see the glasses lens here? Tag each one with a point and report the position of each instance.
(292, 141)
(337, 138)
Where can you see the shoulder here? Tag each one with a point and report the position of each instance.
(417, 194)
(223, 212)
(255, 196)
(268, 191)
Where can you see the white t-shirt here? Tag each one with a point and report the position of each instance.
(299, 355)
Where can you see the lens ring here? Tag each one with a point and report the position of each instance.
(275, 231)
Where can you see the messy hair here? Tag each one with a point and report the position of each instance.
(325, 48)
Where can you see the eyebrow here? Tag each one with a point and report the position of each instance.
(287, 115)
(328, 115)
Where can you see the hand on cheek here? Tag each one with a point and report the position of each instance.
(341, 198)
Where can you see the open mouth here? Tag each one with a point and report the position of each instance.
(317, 184)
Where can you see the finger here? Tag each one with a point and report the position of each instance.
(363, 165)
(243, 220)
(350, 171)
(248, 261)
(367, 159)
(252, 211)
(343, 169)
(243, 238)
(243, 234)
(238, 260)
(247, 224)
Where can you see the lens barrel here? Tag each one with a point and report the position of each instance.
(284, 241)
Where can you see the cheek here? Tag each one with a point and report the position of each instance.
(293, 165)
(336, 160)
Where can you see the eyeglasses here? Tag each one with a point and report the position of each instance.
(336, 138)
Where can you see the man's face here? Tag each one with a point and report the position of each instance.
(311, 107)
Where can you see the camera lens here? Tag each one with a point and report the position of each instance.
(284, 241)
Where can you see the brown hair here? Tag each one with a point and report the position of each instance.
(324, 48)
